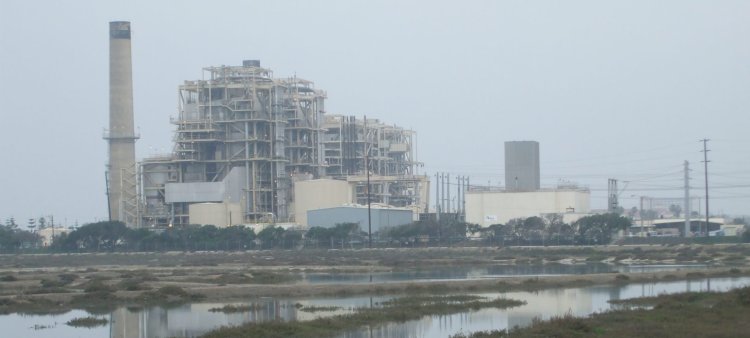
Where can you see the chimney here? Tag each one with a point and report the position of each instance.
(121, 135)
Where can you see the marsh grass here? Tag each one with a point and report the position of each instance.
(237, 308)
(313, 308)
(253, 277)
(87, 322)
(692, 314)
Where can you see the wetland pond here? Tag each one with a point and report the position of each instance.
(490, 271)
(194, 319)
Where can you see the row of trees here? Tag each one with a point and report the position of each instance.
(115, 236)
(595, 229)
(13, 238)
(110, 236)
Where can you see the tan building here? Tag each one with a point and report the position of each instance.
(319, 194)
(219, 214)
(498, 207)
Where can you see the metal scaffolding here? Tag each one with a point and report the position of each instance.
(390, 159)
(276, 132)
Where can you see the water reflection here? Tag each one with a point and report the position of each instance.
(192, 320)
(493, 271)
(543, 304)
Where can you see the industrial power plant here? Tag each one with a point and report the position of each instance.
(244, 141)
(253, 148)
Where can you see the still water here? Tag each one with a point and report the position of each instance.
(191, 320)
(491, 271)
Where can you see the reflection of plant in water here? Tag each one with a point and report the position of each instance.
(87, 322)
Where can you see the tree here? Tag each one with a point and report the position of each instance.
(473, 228)
(675, 210)
(10, 223)
(598, 229)
(14, 238)
(271, 236)
(632, 212)
(340, 232)
(531, 229)
(95, 236)
(557, 230)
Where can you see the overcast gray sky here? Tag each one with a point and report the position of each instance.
(620, 89)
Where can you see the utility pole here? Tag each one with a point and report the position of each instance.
(449, 193)
(687, 199)
(612, 195)
(460, 203)
(705, 169)
(467, 187)
(442, 192)
(437, 197)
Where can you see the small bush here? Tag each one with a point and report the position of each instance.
(313, 308)
(172, 290)
(622, 278)
(87, 322)
(131, 284)
(67, 278)
(8, 278)
(237, 308)
(49, 283)
(97, 286)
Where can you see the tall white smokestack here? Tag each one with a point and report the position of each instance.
(121, 136)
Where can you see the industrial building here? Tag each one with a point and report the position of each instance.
(379, 216)
(490, 206)
(522, 166)
(245, 139)
(522, 196)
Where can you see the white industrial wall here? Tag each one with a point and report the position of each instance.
(319, 194)
(487, 208)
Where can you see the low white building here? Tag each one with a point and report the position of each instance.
(498, 207)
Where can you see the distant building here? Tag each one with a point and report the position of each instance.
(498, 207)
(522, 166)
(47, 234)
(673, 227)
